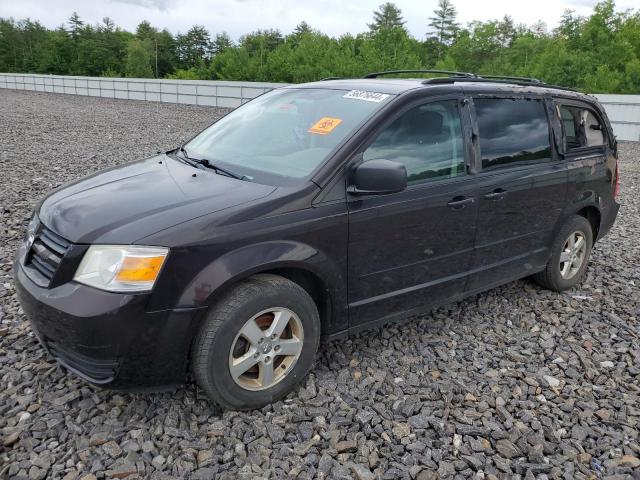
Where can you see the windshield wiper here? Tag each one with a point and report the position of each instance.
(184, 156)
(208, 164)
(223, 171)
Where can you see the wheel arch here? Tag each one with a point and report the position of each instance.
(317, 274)
(593, 215)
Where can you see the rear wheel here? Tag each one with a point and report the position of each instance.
(257, 343)
(571, 251)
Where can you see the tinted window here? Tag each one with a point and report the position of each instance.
(511, 131)
(581, 127)
(426, 139)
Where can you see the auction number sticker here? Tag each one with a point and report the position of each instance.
(366, 96)
(325, 125)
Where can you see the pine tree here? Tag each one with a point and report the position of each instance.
(302, 28)
(507, 32)
(387, 16)
(221, 42)
(145, 30)
(443, 23)
(194, 47)
(75, 24)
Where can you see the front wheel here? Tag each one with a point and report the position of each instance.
(257, 343)
(570, 255)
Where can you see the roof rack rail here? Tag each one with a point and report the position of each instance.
(439, 80)
(443, 72)
(507, 77)
(331, 78)
(521, 81)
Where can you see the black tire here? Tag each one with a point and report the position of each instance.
(551, 276)
(210, 361)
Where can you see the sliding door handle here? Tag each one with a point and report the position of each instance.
(460, 202)
(497, 194)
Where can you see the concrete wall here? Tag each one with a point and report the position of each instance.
(623, 110)
(624, 113)
(193, 92)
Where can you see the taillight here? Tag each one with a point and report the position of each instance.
(616, 188)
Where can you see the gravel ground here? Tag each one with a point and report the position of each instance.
(518, 382)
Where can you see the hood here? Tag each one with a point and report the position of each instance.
(129, 202)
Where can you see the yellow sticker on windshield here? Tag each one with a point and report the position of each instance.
(325, 125)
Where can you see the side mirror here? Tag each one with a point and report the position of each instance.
(377, 177)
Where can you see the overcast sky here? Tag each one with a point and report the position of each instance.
(237, 17)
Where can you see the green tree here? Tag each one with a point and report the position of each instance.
(599, 52)
(301, 29)
(162, 48)
(75, 25)
(221, 42)
(194, 46)
(137, 62)
(387, 16)
(443, 23)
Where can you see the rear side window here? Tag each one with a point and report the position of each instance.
(512, 131)
(427, 139)
(581, 127)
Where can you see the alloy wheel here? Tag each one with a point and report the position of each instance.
(266, 348)
(573, 255)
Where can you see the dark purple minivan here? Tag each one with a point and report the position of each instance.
(311, 212)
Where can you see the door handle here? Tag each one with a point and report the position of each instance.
(459, 202)
(497, 194)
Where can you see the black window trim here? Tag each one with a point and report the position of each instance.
(515, 165)
(462, 105)
(580, 151)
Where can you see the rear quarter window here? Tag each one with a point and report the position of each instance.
(512, 131)
(581, 127)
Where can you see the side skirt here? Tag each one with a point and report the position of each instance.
(408, 315)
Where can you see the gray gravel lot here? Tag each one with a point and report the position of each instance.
(518, 382)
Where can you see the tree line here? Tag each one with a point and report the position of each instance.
(596, 53)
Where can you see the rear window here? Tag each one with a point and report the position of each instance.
(581, 127)
(512, 131)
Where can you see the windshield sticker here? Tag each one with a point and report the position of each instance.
(325, 125)
(366, 96)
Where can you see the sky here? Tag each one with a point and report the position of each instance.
(237, 17)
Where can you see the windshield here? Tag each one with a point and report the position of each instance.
(282, 136)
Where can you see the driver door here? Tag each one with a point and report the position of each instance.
(413, 249)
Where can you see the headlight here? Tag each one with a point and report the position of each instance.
(120, 268)
(32, 228)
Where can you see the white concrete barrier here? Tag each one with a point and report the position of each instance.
(623, 110)
(624, 113)
(212, 93)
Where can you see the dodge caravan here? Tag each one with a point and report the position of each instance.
(312, 212)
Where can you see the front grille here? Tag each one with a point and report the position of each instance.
(47, 252)
(95, 370)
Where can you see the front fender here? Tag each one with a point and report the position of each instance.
(243, 262)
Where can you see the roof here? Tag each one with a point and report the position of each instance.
(397, 86)
(389, 85)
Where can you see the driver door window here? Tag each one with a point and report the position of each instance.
(427, 139)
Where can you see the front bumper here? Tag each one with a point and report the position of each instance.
(109, 338)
